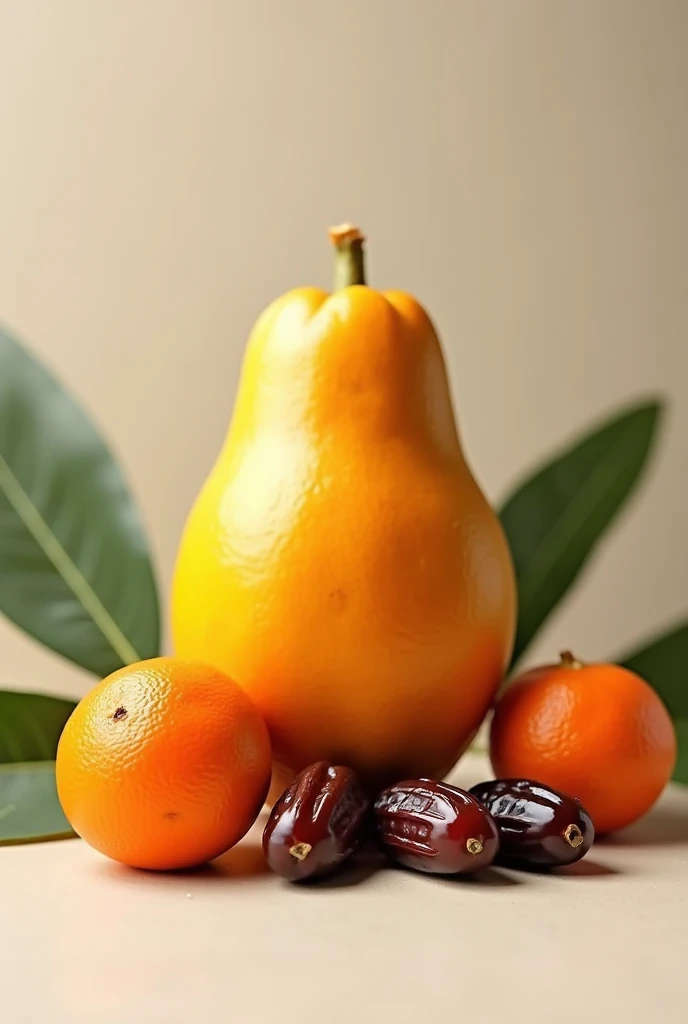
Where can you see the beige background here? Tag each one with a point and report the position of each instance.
(168, 166)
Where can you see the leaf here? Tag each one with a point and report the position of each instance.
(555, 519)
(664, 664)
(681, 768)
(30, 725)
(30, 811)
(75, 571)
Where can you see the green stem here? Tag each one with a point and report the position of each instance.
(349, 265)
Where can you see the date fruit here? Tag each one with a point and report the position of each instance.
(434, 827)
(538, 826)
(317, 823)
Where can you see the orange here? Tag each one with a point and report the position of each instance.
(598, 732)
(165, 764)
(341, 561)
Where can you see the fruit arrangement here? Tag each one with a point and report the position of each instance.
(167, 763)
(344, 620)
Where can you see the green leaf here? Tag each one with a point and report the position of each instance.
(555, 519)
(30, 725)
(663, 662)
(30, 811)
(75, 571)
(681, 768)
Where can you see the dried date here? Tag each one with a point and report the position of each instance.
(434, 827)
(538, 826)
(317, 823)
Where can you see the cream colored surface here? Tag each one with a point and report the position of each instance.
(94, 943)
(169, 166)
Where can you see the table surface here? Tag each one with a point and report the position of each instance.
(86, 940)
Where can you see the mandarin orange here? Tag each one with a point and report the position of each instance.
(165, 764)
(597, 732)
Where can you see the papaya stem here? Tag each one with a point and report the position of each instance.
(349, 265)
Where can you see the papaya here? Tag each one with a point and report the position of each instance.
(341, 562)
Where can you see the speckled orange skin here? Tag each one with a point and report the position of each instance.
(341, 562)
(596, 732)
(165, 764)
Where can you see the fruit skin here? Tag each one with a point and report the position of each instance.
(436, 828)
(317, 823)
(163, 765)
(538, 826)
(598, 732)
(341, 563)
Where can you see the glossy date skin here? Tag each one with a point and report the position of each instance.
(434, 827)
(538, 826)
(317, 823)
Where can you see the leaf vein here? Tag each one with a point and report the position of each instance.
(63, 563)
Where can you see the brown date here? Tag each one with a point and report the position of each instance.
(434, 827)
(317, 823)
(538, 826)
